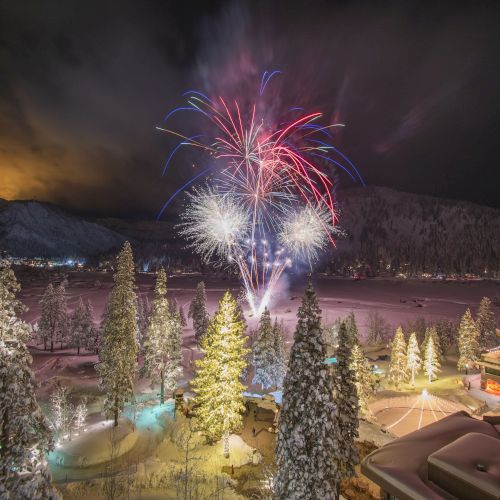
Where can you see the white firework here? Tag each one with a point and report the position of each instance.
(306, 232)
(214, 223)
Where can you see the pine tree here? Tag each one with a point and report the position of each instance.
(25, 435)
(280, 360)
(431, 332)
(397, 369)
(431, 359)
(486, 325)
(331, 334)
(447, 334)
(62, 324)
(346, 399)
(264, 355)
(94, 333)
(80, 326)
(352, 328)
(308, 437)
(217, 383)
(48, 324)
(468, 345)
(163, 344)
(198, 311)
(364, 379)
(118, 349)
(413, 361)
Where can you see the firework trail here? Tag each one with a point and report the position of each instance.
(270, 200)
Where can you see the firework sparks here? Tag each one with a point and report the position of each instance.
(271, 196)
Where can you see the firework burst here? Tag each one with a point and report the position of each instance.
(271, 197)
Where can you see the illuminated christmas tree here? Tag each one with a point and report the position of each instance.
(397, 369)
(217, 383)
(363, 377)
(413, 360)
(431, 359)
(163, 341)
(468, 345)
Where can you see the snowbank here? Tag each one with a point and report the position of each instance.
(96, 446)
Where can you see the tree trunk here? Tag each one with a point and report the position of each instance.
(226, 444)
(78, 351)
(162, 387)
(116, 414)
(44, 345)
(51, 346)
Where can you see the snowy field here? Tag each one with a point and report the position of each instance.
(399, 301)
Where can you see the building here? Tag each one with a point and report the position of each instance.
(490, 372)
(457, 457)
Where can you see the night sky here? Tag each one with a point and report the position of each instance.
(83, 85)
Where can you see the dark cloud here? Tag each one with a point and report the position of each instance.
(84, 83)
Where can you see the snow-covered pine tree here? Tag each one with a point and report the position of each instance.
(118, 346)
(413, 360)
(308, 438)
(352, 328)
(163, 344)
(48, 318)
(62, 324)
(81, 412)
(217, 382)
(364, 379)
(468, 345)
(331, 334)
(280, 361)
(62, 411)
(431, 331)
(397, 373)
(346, 399)
(447, 333)
(431, 359)
(93, 333)
(198, 311)
(80, 326)
(264, 355)
(25, 435)
(486, 325)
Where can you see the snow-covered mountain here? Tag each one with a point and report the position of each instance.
(35, 229)
(415, 233)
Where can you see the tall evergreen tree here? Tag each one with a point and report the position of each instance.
(308, 436)
(364, 379)
(264, 355)
(198, 311)
(217, 383)
(280, 361)
(25, 435)
(118, 349)
(413, 360)
(346, 398)
(81, 326)
(163, 344)
(431, 359)
(182, 316)
(486, 325)
(397, 373)
(468, 345)
(53, 323)
(93, 334)
(447, 334)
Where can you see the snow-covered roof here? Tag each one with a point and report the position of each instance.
(401, 466)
